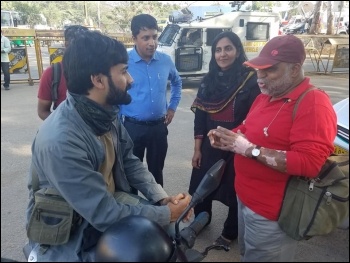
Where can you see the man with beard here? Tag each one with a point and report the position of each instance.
(146, 118)
(271, 146)
(83, 154)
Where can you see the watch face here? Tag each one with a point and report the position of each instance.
(255, 152)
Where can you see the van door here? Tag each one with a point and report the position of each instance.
(189, 50)
(257, 35)
(194, 56)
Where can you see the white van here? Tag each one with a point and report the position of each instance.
(253, 28)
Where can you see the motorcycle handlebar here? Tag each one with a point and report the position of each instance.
(189, 234)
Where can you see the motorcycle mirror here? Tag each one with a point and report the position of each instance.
(209, 183)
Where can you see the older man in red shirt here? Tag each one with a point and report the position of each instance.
(271, 146)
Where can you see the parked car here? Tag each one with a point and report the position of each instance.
(297, 28)
(341, 142)
(295, 25)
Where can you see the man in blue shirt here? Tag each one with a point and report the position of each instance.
(147, 116)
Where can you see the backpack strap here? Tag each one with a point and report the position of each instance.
(36, 184)
(302, 95)
(56, 77)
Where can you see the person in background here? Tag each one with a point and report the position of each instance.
(83, 152)
(45, 101)
(224, 97)
(270, 146)
(306, 27)
(195, 38)
(5, 61)
(148, 115)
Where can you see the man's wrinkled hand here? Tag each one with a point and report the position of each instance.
(227, 140)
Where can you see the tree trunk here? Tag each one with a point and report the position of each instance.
(340, 15)
(330, 19)
(316, 23)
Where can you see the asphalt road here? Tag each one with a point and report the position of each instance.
(19, 122)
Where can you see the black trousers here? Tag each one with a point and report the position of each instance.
(152, 139)
(5, 67)
(230, 230)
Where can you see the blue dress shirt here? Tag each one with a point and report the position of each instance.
(149, 89)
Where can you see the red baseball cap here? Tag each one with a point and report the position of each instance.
(286, 48)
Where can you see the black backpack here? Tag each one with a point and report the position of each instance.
(56, 77)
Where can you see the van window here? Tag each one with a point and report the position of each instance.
(257, 31)
(212, 33)
(168, 35)
(190, 37)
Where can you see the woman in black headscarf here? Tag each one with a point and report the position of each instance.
(224, 98)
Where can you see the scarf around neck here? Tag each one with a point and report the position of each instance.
(225, 91)
(97, 117)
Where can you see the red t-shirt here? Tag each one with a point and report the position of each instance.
(44, 92)
(308, 141)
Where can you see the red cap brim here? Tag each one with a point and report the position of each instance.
(260, 63)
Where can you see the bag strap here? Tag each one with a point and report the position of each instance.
(35, 184)
(56, 77)
(302, 95)
(251, 73)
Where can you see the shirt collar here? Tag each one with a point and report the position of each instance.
(136, 57)
(299, 89)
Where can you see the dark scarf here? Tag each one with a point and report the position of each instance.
(212, 97)
(97, 117)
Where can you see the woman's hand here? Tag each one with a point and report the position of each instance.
(196, 159)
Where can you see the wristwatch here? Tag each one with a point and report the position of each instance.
(256, 152)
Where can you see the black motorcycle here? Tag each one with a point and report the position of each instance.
(139, 239)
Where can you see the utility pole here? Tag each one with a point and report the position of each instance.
(86, 13)
(98, 15)
(340, 11)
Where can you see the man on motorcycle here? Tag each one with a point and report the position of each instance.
(83, 167)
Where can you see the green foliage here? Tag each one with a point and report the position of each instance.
(294, 5)
(114, 16)
(263, 5)
(124, 11)
(6, 5)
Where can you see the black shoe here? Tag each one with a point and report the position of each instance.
(222, 243)
(7, 88)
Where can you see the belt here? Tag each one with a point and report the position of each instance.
(148, 123)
